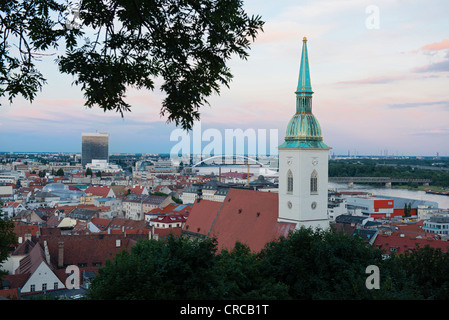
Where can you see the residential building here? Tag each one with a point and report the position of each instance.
(172, 208)
(94, 192)
(114, 204)
(168, 221)
(83, 214)
(6, 191)
(12, 262)
(134, 206)
(34, 272)
(139, 190)
(11, 208)
(438, 223)
(191, 194)
(29, 216)
(336, 206)
(9, 176)
(212, 190)
(402, 243)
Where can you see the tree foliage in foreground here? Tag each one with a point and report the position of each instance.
(111, 46)
(308, 264)
(7, 235)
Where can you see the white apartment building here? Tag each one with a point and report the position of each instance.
(438, 223)
(134, 206)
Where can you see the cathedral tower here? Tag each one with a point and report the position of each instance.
(303, 161)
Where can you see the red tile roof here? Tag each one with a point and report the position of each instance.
(16, 280)
(170, 218)
(201, 216)
(118, 223)
(20, 229)
(250, 217)
(247, 216)
(10, 204)
(86, 249)
(138, 190)
(24, 248)
(101, 191)
(401, 244)
(172, 208)
(101, 223)
(235, 175)
(163, 233)
(32, 260)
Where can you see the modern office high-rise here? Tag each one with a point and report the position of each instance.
(94, 146)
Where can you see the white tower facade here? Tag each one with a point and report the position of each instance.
(303, 161)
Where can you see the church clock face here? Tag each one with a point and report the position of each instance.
(315, 162)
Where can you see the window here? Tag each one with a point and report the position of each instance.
(33, 288)
(289, 182)
(314, 182)
(55, 286)
(44, 287)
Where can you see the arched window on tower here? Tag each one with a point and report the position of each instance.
(314, 182)
(289, 181)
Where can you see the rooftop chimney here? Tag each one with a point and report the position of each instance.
(47, 253)
(60, 254)
(27, 236)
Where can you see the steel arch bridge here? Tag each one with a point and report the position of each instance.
(234, 157)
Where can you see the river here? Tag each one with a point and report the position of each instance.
(443, 201)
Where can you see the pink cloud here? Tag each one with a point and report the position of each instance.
(444, 44)
(373, 80)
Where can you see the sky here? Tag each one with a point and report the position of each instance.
(379, 71)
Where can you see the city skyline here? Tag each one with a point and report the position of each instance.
(379, 72)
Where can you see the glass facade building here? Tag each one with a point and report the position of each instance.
(94, 146)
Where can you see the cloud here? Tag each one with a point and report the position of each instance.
(440, 49)
(442, 66)
(435, 46)
(374, 80)
(431, 132)
(418, 104)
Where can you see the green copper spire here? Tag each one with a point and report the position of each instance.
(304, 86)
(303, 130)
